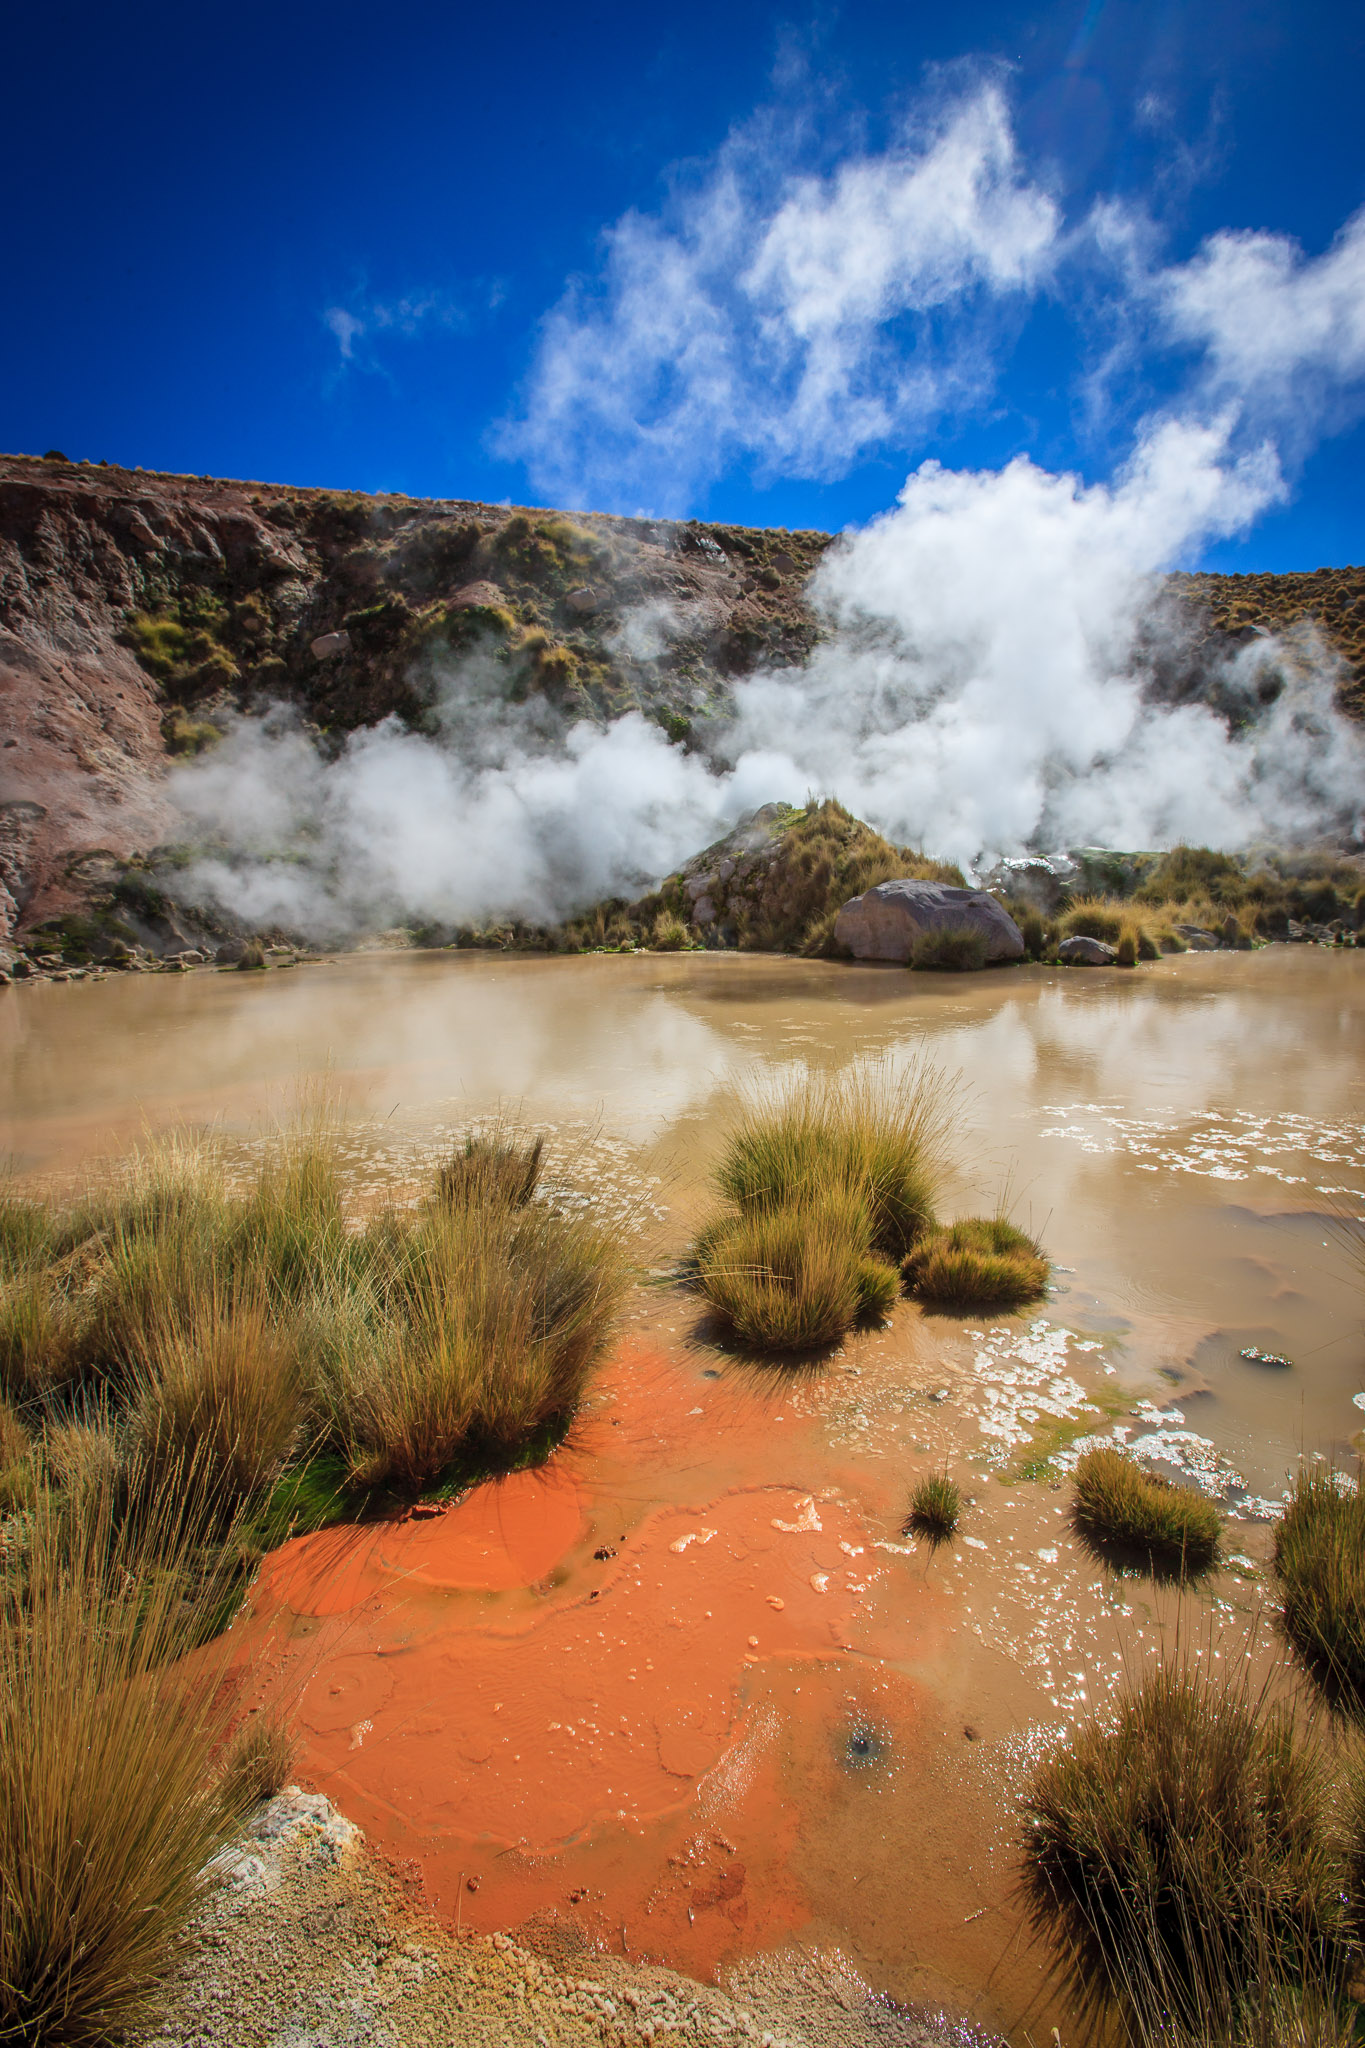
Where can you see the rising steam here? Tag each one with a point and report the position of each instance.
(988, 683)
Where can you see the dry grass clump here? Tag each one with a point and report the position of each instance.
(257, 1760)
(110, 1805)
(491, 1168)
(951, 949)
(1129, 1514)
(935, 1508)
(788, 1278)
(483, 1324)
(1320, 1564)
(979, 1263)
(221, 1391)
(828, 1182)
(1182, 1862)
(179, 1318)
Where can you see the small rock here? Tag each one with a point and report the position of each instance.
(1084, 952)
(475, 596)
(584, 600)
(330, 646)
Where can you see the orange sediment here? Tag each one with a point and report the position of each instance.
(566, 1687)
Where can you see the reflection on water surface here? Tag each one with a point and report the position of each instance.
(1179, 1135)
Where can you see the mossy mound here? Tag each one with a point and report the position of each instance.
(777, 882)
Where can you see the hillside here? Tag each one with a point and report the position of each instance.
(138, 610)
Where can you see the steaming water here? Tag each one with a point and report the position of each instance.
(1181, 1137)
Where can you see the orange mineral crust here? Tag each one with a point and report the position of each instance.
(574, 1688)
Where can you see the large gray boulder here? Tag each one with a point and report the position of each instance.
(887, 922)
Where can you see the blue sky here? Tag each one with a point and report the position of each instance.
(693, 259)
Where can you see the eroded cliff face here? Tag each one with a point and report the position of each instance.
(139, 611)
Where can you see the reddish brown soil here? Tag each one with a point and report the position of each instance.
(622, 1688)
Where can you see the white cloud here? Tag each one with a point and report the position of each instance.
(784, 316)
(1280, 331)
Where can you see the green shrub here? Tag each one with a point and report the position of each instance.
(1128, 1513)
(1147, 947)
(1034, 934)
(1180, 1860)
(980, 1263)
(950, 949)
(935, 1508)
(1127, 953)
(1320, 1565)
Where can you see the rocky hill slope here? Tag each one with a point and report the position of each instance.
(138, 610)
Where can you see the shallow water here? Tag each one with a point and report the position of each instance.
(1179, 1135)
(689, 1687)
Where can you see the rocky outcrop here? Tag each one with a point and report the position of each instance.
(889, 921)
(777, 880)
(138, 612)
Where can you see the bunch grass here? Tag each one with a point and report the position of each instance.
(935, 1509)
(1129, 1515)
(1182, 1861)
(828, 1181)
(111, 1804)
(1319, 1560)
(980, 1263)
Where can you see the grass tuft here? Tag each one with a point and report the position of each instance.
(484, 1326)
(257, 1761)
(497, 1168)
(980, 1263)
(1181, 1861)
(789, 1279)
(935, 1509)
(951, 949)
(109, 1805)
(1320, 1563)
(1129, 1515)
(829, 1181)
